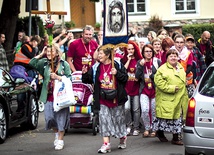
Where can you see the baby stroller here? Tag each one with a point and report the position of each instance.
(81, 114)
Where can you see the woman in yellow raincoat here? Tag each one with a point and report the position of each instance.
(171, 98)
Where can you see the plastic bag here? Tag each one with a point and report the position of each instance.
(63, 94)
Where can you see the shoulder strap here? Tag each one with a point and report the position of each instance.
(94, 67)
(155, 63)
(118, 63)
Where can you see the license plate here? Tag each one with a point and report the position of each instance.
(205, 120)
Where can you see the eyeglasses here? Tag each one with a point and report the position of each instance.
(177, 42)
(147, 51)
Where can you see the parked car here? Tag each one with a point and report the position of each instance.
(18, 104)
(199, 128)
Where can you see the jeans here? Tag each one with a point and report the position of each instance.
(132, 111)
(32, 73)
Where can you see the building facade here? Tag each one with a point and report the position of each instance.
(83, 12)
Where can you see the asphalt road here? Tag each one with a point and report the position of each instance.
(80, 142)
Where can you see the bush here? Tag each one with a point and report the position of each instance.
(69, 24)
(155, 23)
(197, 29)
(97, 25)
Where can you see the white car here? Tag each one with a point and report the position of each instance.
(199, 129)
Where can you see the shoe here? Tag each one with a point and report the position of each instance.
(122, 144)
(59, 145)
(128, 131)
(55, 141)
(105, 148)
(136, 132)
(178, 142)
(153, 134)
(162, 139)
(146, 134)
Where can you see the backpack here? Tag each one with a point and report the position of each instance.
(18, 71)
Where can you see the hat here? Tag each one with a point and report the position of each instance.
(190, 38)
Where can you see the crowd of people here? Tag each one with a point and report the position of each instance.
(147, 88)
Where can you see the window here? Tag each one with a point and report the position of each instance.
(185, 6)
(136, 6)
(207, 85)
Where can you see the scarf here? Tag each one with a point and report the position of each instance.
(183, 54)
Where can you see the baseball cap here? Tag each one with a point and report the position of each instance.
(190, 38)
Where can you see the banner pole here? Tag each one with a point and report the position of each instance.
(113, 76)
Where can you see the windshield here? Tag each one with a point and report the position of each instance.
(207, 84)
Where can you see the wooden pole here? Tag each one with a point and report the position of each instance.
(52, 65)
(113, 77)
(112, 64)
(48, 6)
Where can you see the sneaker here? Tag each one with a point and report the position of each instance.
(136, 132)
(59, 145)
(55, 140)
(128, 131)
(122, 144)
(105, 148)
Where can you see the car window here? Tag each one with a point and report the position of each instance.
(5, 79)
(207, 84)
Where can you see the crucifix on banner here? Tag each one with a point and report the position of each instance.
(49, 23)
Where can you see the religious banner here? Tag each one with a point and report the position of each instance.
(115, 22)
(49, 23)
(115, 29)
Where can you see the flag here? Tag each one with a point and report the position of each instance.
(115, 30)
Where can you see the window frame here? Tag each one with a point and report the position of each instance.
(185, 11)
(135, 8)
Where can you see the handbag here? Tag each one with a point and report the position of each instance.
(63, 94)
(108, 94)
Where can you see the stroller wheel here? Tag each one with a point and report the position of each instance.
(41, 106)
(95, 127)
